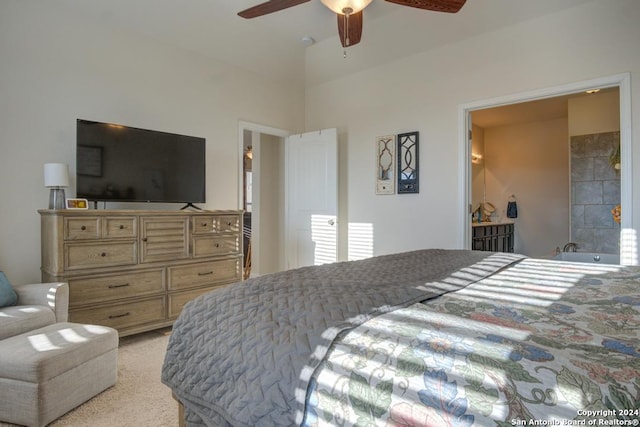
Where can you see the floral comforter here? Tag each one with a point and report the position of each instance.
(539, 343)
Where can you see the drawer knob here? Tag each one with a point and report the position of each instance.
(121, 227)
(119, 286)
(103, 254)
(204, 224)
(217, 245)
(83, 228)
(115, 316)
(207, 273)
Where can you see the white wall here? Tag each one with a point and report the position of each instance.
(531, 162)
(424, 92)
(269, 184)
(598, 113)
(478, 169)
(55, 69)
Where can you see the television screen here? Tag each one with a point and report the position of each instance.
(126, 164)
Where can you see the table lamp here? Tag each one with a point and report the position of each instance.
(56, 177)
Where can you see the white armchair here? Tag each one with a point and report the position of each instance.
(49, 366)
(39, 304)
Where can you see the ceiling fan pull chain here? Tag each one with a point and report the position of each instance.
(346, 35)
(346, 11)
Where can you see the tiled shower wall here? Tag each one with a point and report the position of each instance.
(595, 190)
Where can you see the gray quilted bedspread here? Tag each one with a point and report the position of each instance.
(247, 351)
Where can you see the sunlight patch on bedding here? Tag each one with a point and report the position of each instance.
(526, 272)
(526, 276)
(470, 274)
(438, 334)
(554, 285)
(481, 269)
(359, 374)
(532, 282)
(569, 267)
(507, 283)
(534, 297)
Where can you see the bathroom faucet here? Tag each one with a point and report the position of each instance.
(570, 247)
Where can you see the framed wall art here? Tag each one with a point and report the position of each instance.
(385, 164)
(408, 178)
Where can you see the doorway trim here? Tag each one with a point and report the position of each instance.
(628, 255)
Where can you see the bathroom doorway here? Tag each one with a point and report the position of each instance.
(536, 174)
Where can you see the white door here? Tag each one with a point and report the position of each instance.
(311, 180)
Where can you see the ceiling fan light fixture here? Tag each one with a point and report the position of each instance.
(339, 6)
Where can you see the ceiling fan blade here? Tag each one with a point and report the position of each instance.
(269, 7)
(350, 28)
(450, 6)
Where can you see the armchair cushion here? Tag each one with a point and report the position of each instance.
(38, 305)
(7, 295)
(18, 319)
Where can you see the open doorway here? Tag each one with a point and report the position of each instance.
(261, 192)
(293, 201)
(551, 159)
(555, 203)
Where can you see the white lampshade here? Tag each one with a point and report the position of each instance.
(56, 175)
(339, 5)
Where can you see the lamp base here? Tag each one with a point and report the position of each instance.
(57, 199)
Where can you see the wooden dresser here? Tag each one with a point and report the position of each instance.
(135, 270)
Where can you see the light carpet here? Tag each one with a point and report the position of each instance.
(138, 398)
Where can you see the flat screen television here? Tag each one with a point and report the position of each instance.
(125, 164)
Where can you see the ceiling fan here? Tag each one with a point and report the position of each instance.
(349, 12)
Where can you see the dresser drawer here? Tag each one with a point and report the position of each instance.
(209, 273)
(120, 227)
(107, 288)
(82, 228)
(121, 315)
(228, 224)
(178, 300)
(204, 246)
(215, 224)
(202, 224)
(95, 255)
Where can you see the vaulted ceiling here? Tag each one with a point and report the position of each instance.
(273, 44)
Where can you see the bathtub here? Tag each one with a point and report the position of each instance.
(590, 257)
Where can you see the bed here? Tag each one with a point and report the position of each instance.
(423, 338)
